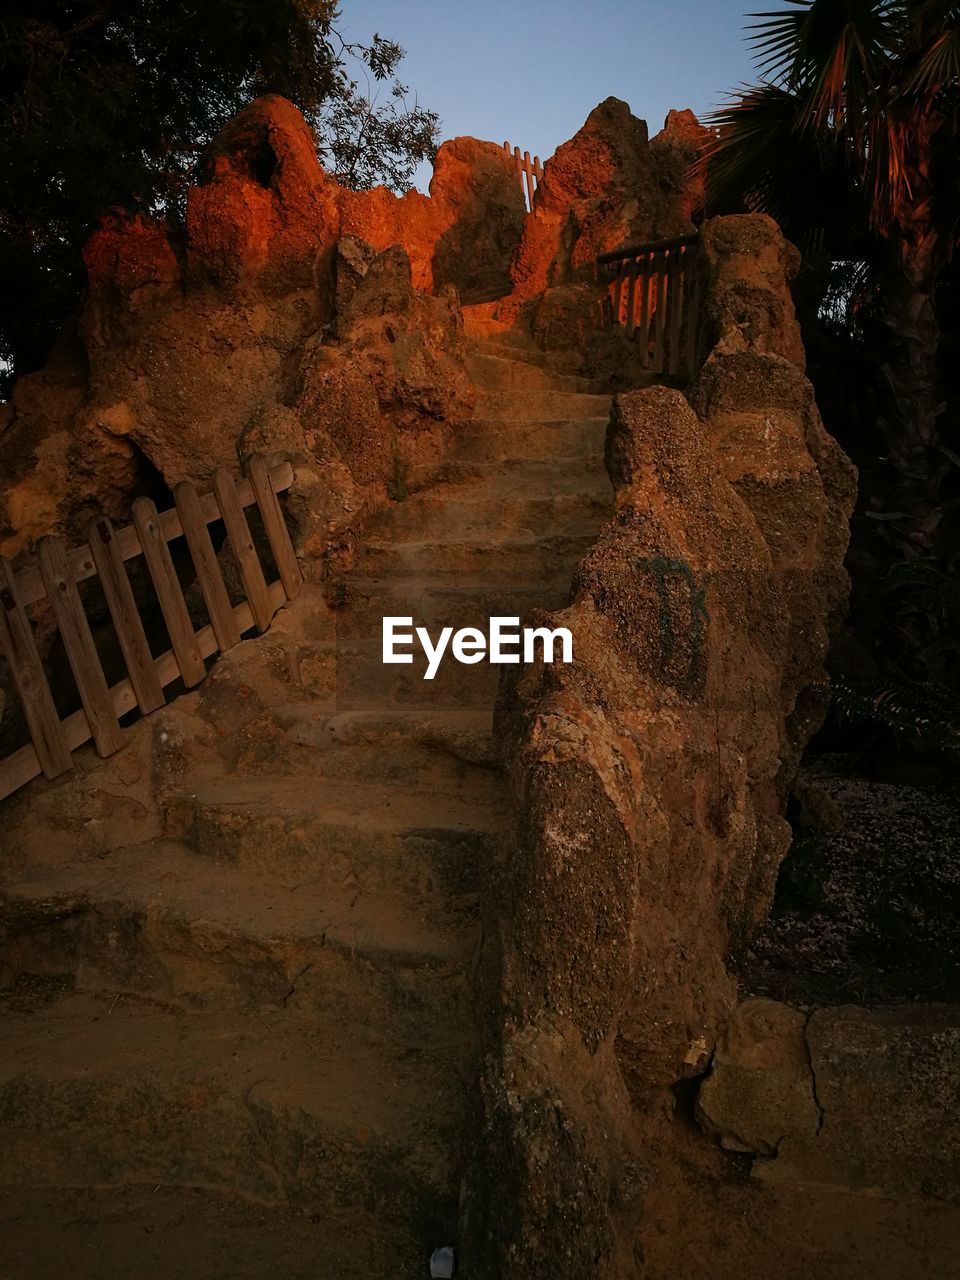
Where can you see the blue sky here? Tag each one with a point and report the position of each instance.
(531, 70)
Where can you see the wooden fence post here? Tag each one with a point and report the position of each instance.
(78, 643)
(20, 649)
(167, 586)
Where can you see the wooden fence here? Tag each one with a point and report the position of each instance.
(655, 294)
(530, 171)
(54, 581)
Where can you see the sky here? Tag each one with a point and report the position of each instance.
(530, 71)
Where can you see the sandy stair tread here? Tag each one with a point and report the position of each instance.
(101, 1093)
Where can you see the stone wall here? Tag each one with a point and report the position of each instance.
(651, 775)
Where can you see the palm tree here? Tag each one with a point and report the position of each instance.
(851, 141)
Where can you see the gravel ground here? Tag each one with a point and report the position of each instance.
(868, 901)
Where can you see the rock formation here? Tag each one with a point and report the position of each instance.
(195, 344)
(651, 775)
(608, 187)
(195, 341)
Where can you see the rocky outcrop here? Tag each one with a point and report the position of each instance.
(465, 233)
(195, 340)
(610, 186)
(259, 326)
(264, 213)
(601, 190)
(651, 775)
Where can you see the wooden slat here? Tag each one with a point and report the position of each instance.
(197, 533)
(632, 268)
(165, 583)
(238, 531)
(654, 246)
(30, 586)
(618, 294)
(19, 647)
(78, 644)
(645, 313)
(126, 618)
(692, 292)
(275, 526)
(24, 765)
(675, 288)
(660, 314)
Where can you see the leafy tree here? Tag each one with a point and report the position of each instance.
(852, 141)
(105, 103)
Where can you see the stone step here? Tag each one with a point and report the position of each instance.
(492, 370)
(497, 317)
(366, 846)
(156, 1233)
(422, 749)
(365, 683)
(481, 511)
(97, 1093)
(521, 349)
(519, 557)
(541, 406)
(562, 445)
(344, 944)
(466, 600)
(313, 738)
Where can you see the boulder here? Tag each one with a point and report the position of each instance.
(760, 1086)
(748, 267)
(845, 1097)
(264, 213)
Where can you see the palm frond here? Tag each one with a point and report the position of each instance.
(763, 160)
(844, 53)
(937, 65)
(778, 40)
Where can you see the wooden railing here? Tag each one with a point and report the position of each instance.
(655, 295)
(53, 583)
(530, 171)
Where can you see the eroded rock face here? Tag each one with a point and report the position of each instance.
(464, 234)
(598, 190)
(603, 190)
(262, 326)
(265, 213)
(651, 775)
(476, 186)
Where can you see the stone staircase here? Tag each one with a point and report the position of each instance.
(245, 1044)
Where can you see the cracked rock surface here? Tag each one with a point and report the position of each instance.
(861, 1099)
